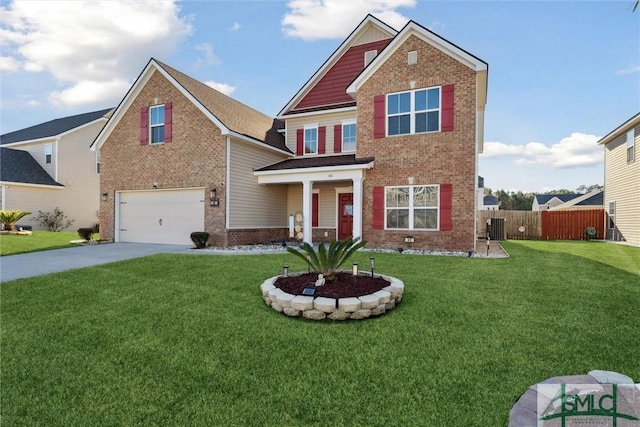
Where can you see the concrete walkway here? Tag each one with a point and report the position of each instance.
(37, 263)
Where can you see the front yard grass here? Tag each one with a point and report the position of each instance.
(187, 340)
(11, 244)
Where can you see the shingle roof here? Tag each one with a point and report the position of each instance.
(52, 128)
(490, 200)
(595, 200)
(544, 198)
(316, 162)
(235, 115)
(20, 166)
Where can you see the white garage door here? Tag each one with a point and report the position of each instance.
(161, 216)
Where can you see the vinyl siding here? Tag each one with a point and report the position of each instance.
(327, 200)
(37, 151)
(252, 205)
(372, 34)
(622, 185)
(79, 199)
(327, 120)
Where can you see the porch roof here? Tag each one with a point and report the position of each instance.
(317, 162)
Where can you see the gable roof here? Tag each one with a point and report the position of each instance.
(624, 127)
(53, 128)
(317, 162)
(593, 198)
(544, 198)
(230, 116)
(445, 46)
(19, 166)
(335, 74)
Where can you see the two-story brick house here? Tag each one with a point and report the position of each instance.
(381, 142)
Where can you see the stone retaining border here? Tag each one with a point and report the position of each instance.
(322, 308)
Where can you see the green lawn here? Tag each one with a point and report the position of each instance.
(38, 241)
(187, 340)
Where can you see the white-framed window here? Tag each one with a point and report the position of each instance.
(349, 136)
(631, 155)
(97, 161)
(156, 124)
(48, 153)
(611, 218)
(311, 139)
(369, 56)
(415, 111)
(412, 207)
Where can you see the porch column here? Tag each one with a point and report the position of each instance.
(357, 207)
(307, 207)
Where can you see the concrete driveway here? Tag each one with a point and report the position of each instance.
(37, 263)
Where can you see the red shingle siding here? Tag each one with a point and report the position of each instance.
(331, 89)
(431, 158)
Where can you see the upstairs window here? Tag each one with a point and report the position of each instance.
(48, 153)
(411, 112)
(97, 161)
(611, 222)
(631, 155)
(348, 136)
(156, 124)
(311, 140)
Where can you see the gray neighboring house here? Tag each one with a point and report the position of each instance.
(544, 202)
(51, 165)
(591, 200)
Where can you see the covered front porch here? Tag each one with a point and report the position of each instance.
(323, 193)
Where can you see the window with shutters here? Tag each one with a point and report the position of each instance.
(311, 139)
(156, 124)
(416, 111)
(349, 136)
(413, 207)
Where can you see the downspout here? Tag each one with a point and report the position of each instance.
(56, 160)
(4, 192)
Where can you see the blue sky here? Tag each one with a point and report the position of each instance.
(561, 74)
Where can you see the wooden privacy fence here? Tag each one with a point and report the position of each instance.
(571, 225)
(550, 225)
(517, 224)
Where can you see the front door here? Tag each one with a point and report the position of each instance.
(345, 215)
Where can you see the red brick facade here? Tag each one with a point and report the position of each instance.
(431, 158)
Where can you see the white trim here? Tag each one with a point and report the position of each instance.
(614, 134)
(348, 122)
(48, 148)
(327, 173)
(258, 143)
(311, 126)
(319, 112)
(54, 137)
(55, 164)
(330, 62)
(25, 184)
(411, 208)
(3, 188)
(412, 111)
(227, 208)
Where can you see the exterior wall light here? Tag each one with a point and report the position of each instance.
(213, 199)
(285, 271)
(372, 264)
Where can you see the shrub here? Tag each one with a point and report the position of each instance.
(328, 261)
(85, 233)
(199, 238)
(10, 217)
(54, 221)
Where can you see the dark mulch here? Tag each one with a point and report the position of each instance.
(343, 287)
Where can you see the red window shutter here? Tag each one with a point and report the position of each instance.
(378, 208)
(337, 139)
(322, 139)
(379, 116)
(168, 116)
(299, 142)
(447, 108)
(144, 125)
(314, 210)
(446, 196)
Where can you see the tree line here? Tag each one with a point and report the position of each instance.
(519, 201)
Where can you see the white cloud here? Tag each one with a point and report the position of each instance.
(235, 26)
(326, 19)
(87, 44)
(7, 63)
(209, 57)
(221, 87)
(630, 69)
(576, 150)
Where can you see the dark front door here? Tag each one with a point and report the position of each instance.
(345, 215)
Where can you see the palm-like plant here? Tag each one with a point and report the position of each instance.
(10, 217)
(328, 261)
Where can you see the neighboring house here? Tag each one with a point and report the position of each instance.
(622, 181)
(544, 202)
(485, 203)
(380, 143)
(51, 165)
(591, 200)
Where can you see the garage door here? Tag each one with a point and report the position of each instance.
(161, 216)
